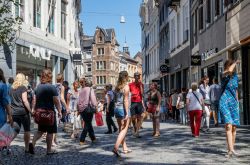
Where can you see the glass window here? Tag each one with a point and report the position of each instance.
(100, 65)
(217, 7)
(201, 19)
(37, 13)
(63, 19)
(208, 11)
(100, 51)
(19, 9)
(51, 8)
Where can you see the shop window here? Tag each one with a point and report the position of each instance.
(63, 19)
(100, 51)
(37, 13)
(51, 11)
(19, 9)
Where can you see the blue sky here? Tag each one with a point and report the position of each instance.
(107, 13)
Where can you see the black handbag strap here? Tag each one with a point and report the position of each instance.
(197, 98)
(89, 96)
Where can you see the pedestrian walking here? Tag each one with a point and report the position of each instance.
(214, 95)
(154, 104)
(175, 111)
(45, 99)
(110, 106)
(181, 106)
(163, 110)
(194, 106)
(137, 103)
(73, 98)
(87, 99)
(204, 89)
(5, 109)
(20, 105)
(122, 112)
(229, 104)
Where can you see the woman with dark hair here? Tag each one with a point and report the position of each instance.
(204, 90)
(86, 97)
(46, 98)
(229, 104)
(122, 112)
(4, 101)
(154, 103)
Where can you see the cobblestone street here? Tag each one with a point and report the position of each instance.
(175, 146)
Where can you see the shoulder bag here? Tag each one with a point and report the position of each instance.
(90, 108)
(44, 117)
(202, 106)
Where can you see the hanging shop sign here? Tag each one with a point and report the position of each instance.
(164, 68)
(40, 52)
(195, 60)
(206, 55)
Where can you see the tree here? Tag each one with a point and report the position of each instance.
(9, 24)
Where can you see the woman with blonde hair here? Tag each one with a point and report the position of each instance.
(122, 112)
(21, 106)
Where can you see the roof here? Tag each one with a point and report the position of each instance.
(127, 57)
(108, 34)
(138, 54)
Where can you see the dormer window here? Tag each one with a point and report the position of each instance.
(100, 39)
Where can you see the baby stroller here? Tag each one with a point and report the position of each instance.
(7, 135)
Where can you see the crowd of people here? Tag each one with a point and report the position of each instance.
(73, 108)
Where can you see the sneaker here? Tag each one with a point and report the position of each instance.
(83, 143)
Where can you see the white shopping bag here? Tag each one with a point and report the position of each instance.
(7, 134)
(77, 122)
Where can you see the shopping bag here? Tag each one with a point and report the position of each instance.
(68, 127)
(98, 119)
(77, 122)
(7, 134)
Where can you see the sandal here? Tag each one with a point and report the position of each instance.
(127, 151)
(116, 152)
(52, 152)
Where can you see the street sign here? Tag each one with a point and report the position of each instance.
(195, 60)
(164, 68)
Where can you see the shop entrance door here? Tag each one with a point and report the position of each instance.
(211, 73)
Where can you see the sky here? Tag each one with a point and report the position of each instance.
(107, 14)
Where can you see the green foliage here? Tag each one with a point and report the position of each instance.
(9, 25)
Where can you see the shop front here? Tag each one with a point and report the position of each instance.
(179, 70)
(31, 60)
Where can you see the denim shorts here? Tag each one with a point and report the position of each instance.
(120, 113)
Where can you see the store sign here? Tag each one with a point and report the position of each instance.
(195, 60)
(164, 68)
(40, 52)
(206, 55)
(77, 57)
(177, 67)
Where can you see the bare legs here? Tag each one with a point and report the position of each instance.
(123, 129)
(156, 125)
(137, 123)
(26, 138)
(49, 138)
(230, 135)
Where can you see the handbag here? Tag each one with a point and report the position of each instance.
(68, 127)
(180, 105)
(151, 108)
(90, 108)
(98, 119)
(44, 117)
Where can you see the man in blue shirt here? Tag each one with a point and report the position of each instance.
(214, 95)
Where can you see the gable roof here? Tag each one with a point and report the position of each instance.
(108, 34)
